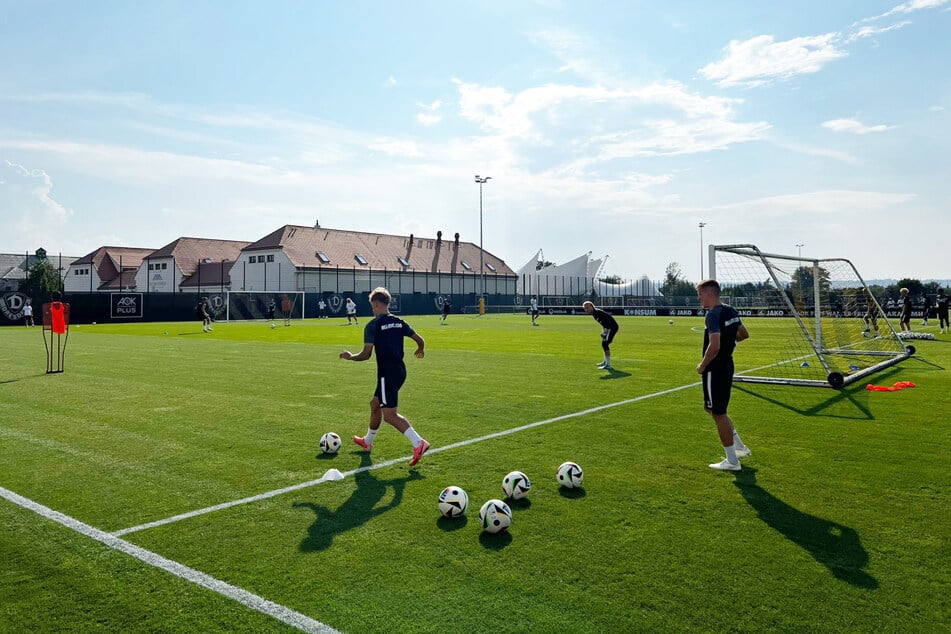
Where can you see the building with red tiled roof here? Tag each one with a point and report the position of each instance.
(105, 269)
(315, 259)
(189, 265)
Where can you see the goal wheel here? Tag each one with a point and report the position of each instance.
(836, 380)
(910, 350)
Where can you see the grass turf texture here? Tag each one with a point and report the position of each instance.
(838, 521)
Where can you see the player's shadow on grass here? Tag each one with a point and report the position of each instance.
(615, 374)
(833, 545)
(362, 506)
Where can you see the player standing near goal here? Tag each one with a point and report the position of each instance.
(904, 320)
(352, 312)
(941, 304)
(385, 333)
(201, 311)
(609, 328)
(871, 313)
(534, 310)
(723, 329)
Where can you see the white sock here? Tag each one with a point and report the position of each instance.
(737, 443)
(371, 434)
(607, 359)
(413, 436)
(731, 455)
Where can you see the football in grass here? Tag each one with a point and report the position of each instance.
(570, 475)
(453, 502)
(330, 442)
(516, 485)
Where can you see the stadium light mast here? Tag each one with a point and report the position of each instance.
(800, 246)
(482, 181)
(702, 225)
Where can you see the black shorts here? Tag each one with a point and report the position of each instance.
(717, 385)
(388, 388)
(905, 318)
(607, 335)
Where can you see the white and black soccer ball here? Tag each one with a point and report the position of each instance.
(453, 502)
(570, 475)
(330, 442)
(495, 516)
(516, 485)
(273, 326)
(670, 321)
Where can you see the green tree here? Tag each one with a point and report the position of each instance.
(611, 279)
(42, 278)
(542, 264)
(675, 284)
(915, 287)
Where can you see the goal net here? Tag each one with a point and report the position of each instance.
(825, 327)
(243, 305)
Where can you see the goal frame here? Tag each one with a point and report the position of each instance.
(834, 378)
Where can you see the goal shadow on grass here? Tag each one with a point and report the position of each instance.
(829, 406)
(833, 545)
(357, 510)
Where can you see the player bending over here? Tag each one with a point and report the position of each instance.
(385, 333)
(609, 328)
(723, 329)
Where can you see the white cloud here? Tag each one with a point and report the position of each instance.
(761, 59)
(429, 117)
(854, 126)
(869, 31)
(26, 200)
(909, 7)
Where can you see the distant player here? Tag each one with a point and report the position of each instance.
(533, 310)
(723, 330)
(904, 319)
(926, 305)
(446, 308)
(271, 307)
(941, 304)
(609, 328)
(28, 314)
(287, 308)
(351, 312)
(385, 333)
(201, 311)
(321, 309)
(871, 314)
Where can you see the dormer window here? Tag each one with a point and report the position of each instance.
(466, 266)
(362, 260)
(323, 257)
(403, 260)
(491, 268)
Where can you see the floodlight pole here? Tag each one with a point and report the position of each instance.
(481, 180)
(702, 225)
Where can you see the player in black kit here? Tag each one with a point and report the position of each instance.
(385, 333)
(722, 332)
(609, 328)
(941, 304)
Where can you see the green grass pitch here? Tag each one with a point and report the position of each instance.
(838, 522)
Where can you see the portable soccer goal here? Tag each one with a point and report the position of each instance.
(244, 305)
(831, 329)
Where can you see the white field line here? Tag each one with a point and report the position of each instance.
(387, 463)
(245, 598)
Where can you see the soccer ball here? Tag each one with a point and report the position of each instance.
(495, 516)
(570, 475)
(453, 502)
(516, 485)
(670, 321)
(329, 442)
(273, 326)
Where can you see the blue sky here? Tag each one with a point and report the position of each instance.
(610, 127)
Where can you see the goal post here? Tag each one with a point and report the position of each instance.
(827, 329)
(250, 305)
